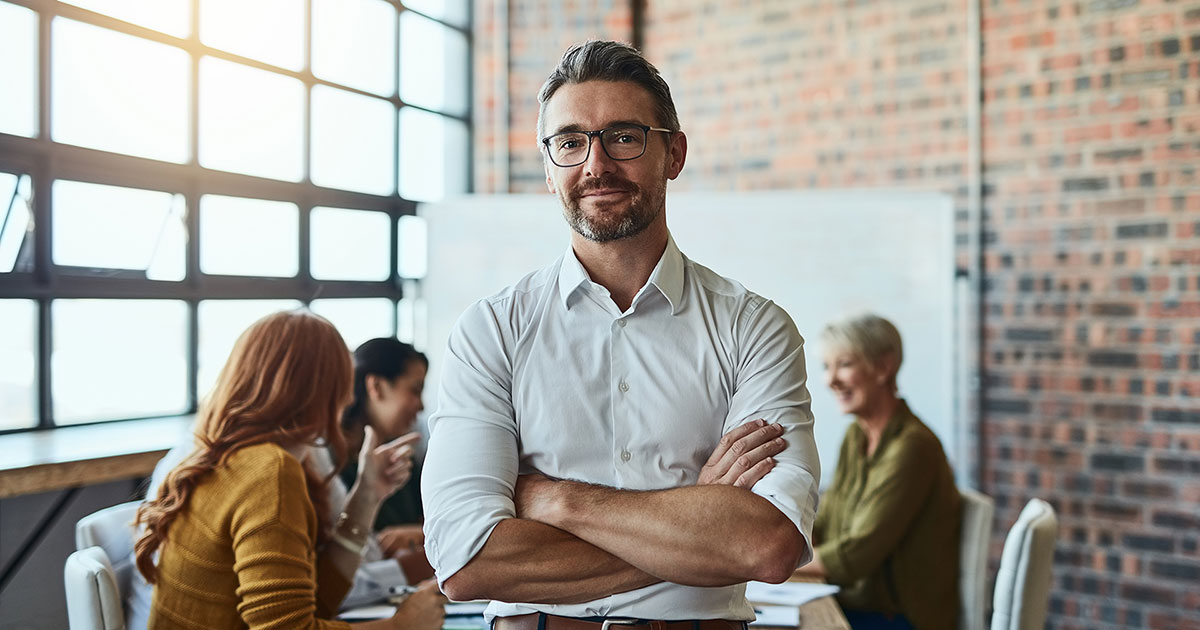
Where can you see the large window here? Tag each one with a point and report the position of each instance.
(171, 170)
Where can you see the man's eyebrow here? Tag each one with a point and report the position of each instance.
(612, 123)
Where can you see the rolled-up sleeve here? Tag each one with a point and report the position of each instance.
(772, 384)
(471, 465)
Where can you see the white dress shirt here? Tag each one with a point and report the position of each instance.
(549, 376)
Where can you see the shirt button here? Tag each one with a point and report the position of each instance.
(625, 455)
(621, 323)
(624, 387)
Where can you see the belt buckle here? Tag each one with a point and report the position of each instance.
(608, 622)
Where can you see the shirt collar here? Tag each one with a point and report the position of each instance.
(667, 276)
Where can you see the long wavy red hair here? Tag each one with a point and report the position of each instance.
(286, 382)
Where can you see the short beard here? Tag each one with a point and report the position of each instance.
(644, 208)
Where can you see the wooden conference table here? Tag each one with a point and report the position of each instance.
(822, 613)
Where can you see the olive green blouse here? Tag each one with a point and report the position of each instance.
(888, 527)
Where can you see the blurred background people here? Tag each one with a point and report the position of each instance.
(240, 533)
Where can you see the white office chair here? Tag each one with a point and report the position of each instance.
(97, 576)
(93, 600)
(1023, 581)
(977, 512)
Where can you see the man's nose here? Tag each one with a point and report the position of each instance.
(598, 163)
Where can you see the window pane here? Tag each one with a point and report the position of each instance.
(452, 11)
(352, 141)
(433, 156)
(358, 319)
(119, 93)
(167, 16)
(118, 359)
(249, 237)
(220, 323)
(433, 65)
(16, 223)
(18, 57)
(354, 43)
(251, 121)
(110, 227)
(18, 346)
(410, 316)
(350, 244)
(413, 259)
(271, 31)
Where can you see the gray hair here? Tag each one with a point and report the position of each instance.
(867, 336)
(609, 61)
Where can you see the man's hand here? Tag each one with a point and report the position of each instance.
(744, 455)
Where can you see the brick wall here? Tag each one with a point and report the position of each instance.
(1091, 141)
(537, 34)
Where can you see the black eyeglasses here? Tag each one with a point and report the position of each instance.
(622, 142)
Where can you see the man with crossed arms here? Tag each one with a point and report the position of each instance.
(623, 437)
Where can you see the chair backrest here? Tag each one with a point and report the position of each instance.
(111, 530)
(977, 512)
(1023, 582)
(93, 600)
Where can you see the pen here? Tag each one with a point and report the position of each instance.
(402, 590)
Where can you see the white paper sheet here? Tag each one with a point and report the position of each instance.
(781, 616)
(788, 593)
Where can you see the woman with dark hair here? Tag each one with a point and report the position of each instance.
(389, 377)
(241, 526)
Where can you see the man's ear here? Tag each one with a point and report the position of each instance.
(678, 154)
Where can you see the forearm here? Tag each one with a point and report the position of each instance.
(360, 510)
(528, 561)
(698, 536)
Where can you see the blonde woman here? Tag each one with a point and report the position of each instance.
(241, 526)
(887, 531)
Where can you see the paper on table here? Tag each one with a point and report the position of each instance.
(783, 616)
(459, 615)
(367, 613)
(788, 593)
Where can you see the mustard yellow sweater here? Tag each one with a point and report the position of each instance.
(242, 553)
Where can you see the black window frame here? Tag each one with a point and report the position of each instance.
(46, 161)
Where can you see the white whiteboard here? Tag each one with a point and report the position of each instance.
(819, 255)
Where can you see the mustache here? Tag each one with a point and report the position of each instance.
(604, 182)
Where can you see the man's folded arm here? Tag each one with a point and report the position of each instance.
(716, 535)
(712, 535)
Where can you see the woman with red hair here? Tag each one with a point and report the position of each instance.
(241, 526)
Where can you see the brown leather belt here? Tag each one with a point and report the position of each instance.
(554, 622)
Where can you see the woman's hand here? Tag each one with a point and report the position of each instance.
(385, 468)
(397, 538)
(423, 610)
